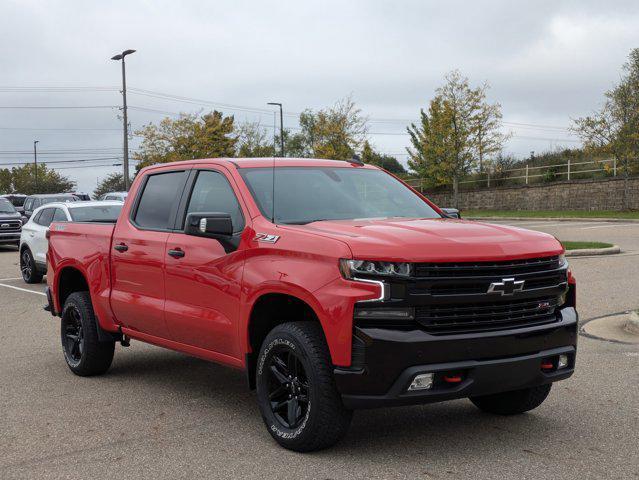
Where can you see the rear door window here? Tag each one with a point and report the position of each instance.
(159, 200)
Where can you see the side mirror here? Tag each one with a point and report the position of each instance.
(451, 212)
(211, 225)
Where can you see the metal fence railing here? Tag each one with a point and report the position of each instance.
(527, 174)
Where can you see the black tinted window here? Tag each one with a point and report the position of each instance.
(160, 196)
(59, 215)
(101, 213)
(46, 217)
(212, 193)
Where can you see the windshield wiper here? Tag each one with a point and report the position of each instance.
(304, 222)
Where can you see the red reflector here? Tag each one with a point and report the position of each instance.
(452, 378)
(547, 366)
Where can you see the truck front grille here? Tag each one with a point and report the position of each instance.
(450, 319)
(456, 298)
(10, 226)
(471, 269)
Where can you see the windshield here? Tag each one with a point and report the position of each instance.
(6, 207)
(308, 194)
(98, 213)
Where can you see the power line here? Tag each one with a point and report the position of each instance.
(75, 160)
(55, 107)
(60, 129)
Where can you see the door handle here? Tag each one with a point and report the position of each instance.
(176, 253)
(121, 247)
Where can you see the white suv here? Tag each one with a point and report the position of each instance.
(33, 240)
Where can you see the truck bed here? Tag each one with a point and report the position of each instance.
(85, 247)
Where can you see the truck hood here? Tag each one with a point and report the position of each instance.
(10, 216)
(435, 240)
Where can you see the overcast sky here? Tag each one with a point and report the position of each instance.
(546, 62)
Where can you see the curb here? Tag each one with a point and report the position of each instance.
(632, 326)
(582, 252)
(558, 219)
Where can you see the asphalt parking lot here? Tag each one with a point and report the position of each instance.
(159, 414)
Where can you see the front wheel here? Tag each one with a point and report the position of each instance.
(296, 391)
(512, 403)
(28, 267)
(84, 353)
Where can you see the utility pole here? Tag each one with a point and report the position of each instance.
(281, 127)
(121, 56)
(35, 161)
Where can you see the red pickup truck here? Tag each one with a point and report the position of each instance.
(332, 284)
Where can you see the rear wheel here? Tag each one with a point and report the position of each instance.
(296, 392)
(28, 267)
(512, 403)
(84, 354)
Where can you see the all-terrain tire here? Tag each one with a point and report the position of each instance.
(513, 403)
(324, 420)
(28, 267)
(84, 354)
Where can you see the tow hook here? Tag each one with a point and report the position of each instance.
(125, 340)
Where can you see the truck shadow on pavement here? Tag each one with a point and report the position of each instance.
(441, 429)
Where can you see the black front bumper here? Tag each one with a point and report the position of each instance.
(386, 361)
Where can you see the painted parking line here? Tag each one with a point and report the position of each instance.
(612, 225)
(7, 279)
(22, 289)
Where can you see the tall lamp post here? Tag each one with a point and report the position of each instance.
(121, 56)
(281, 127)
(35, 161)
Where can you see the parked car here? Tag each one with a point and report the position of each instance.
(34, 242)
(331, 284)
(10, 223)
(17, 199)
(119, 196)
(34, 201)
(85, 197)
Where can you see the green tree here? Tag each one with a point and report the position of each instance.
(254, 141)
(190, 136)
(387, 162)
(335, 133)
(614, 129)
(6, 185)
(114, 182)
(459, 129)
(49, 181)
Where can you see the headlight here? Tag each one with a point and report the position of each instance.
(562, 260)
(353, 268)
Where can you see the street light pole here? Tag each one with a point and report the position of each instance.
(35, 161)
(124, 112)
(281, 126)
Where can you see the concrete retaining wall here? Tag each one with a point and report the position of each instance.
(576, 195)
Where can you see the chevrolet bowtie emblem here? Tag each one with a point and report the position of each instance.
(507, 286)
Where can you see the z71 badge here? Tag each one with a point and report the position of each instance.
(266, 238)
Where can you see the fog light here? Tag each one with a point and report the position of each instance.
(562, 362)
(423, 381)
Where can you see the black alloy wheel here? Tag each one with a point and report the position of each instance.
(287, 387)
(28, 267)
(73, 336)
